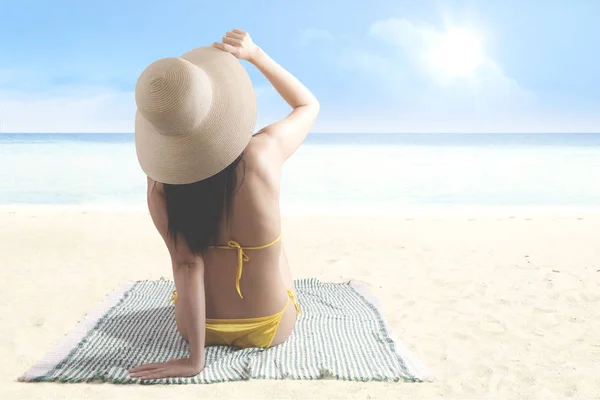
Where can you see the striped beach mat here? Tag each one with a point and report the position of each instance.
(340, 334)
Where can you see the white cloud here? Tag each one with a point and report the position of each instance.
(91, 109)
(69, 110)
(315, 35)
(421, 78)
(423, 122)
(453, 58)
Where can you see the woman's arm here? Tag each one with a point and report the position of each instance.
(190, 289)
(289, 133)
(192, 301)
(188, 272)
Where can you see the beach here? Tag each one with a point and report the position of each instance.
(435, 166)
(499, 306)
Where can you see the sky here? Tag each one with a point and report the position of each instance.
(375, 65)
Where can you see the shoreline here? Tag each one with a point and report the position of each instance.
(401, 212)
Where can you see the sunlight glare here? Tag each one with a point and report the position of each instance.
(456, 53)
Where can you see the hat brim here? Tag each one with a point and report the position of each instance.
(183, 159)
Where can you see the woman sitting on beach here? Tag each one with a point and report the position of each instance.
(213, 194)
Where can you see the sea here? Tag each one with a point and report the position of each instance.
(332, 174)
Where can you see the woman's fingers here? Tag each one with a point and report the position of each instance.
(172, 368)
(235, 35)
(145, 367)
(236, 42)
(152, 374)
(232, 41)
(225, 47)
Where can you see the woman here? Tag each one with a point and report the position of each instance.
(213, 194)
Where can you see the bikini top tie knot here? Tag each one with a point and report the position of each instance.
(243, 257)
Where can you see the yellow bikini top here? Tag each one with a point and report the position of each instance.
(243, 257)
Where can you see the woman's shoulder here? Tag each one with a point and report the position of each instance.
(260, 153)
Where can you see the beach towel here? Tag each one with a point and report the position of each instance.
(340, 334)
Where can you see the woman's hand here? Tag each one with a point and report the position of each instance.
(175, 368)
(238, 43)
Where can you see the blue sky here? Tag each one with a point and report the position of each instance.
(375, 65)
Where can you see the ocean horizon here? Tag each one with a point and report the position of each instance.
(331, 173)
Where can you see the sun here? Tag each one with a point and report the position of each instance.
(455, 53)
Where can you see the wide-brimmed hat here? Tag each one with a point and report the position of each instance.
(195, 115)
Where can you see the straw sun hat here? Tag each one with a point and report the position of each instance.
(195, 115)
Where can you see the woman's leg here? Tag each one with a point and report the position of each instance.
(286, 324)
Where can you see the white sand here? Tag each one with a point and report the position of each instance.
(496, 307)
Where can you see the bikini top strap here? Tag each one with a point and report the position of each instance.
(243, 257)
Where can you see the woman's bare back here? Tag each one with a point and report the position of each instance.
(255, 220)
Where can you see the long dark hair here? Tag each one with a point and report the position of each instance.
(195, 210)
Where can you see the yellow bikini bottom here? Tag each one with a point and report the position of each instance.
(246, 332)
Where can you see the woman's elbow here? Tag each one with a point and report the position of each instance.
(187, 265)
